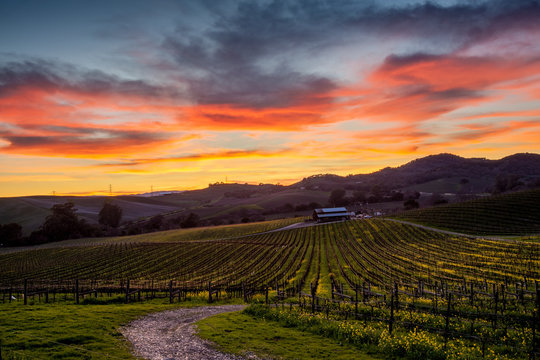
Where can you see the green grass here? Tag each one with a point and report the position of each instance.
(69, 331)
(241, 334)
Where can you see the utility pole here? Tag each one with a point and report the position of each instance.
(151, 190)
(110, 189)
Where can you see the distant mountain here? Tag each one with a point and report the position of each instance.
(224, 203)
(480, 175)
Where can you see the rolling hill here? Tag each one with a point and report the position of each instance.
(506, 214)
(224, 203)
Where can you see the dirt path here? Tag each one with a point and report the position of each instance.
(171, 335)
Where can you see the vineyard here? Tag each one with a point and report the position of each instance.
(377, 271)
(507, 214)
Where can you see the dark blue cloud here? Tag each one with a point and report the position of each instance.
(56, 75)
(226, 62)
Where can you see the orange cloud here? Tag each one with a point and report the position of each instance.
(421, 87)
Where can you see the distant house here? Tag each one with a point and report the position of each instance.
(331, 214)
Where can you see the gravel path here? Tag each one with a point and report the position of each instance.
(171, 335)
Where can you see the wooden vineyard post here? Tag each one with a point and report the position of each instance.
(447, 325)
(356, 303)
(77, 291)
(391, 322)
(127, 291)
(10, 292)
(312, 299)
(266, 294)
(364, 292)
(170, 292)
(536, 324)
(396, 295)
(209, 291)
(496, 299)
(25, 291)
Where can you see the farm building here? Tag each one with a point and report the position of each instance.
(331, 214)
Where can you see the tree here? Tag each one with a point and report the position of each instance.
(337, 197)
(438, 199)
(155, 222)
(10, 234)
(397, 196)
(62, 224)
(110, 215)
(411, 204)
(506, 182)
(191, 221)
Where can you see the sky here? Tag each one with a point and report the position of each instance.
(174, 95)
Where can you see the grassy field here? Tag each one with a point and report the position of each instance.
(475, 276)
(68, 331)
(507, 214)
(242, 334)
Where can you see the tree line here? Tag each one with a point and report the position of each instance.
(64, 223)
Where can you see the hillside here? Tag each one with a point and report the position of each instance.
(506, 214)
(374, 250)
(225, 203)
(370, 274)
(479, 175)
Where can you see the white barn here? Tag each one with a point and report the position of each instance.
(331, 214)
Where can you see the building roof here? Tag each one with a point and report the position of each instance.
(330, 210)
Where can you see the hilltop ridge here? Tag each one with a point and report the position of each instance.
(223, 203)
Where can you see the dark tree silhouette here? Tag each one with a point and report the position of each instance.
(10, 234)
(411, 204)
(191, 221)
(63, 223)
(110, 215)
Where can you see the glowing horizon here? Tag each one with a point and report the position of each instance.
(182, 94)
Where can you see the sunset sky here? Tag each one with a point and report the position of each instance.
(179, 94)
